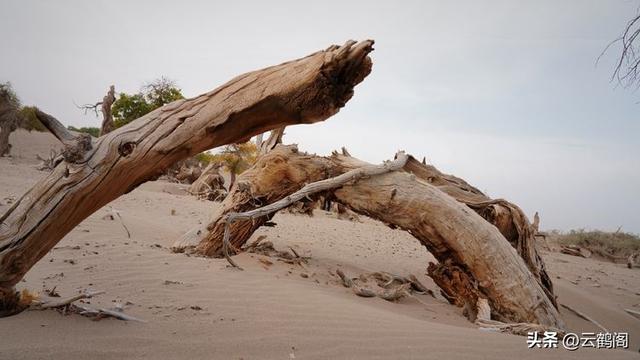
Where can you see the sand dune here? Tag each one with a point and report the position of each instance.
(200, 308)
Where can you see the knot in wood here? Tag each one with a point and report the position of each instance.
(126, 148)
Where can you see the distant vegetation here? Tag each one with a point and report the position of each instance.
(235, 158)
(24, 116)
(29, 121)
(93, 131)
(152, 96)
(617, 244)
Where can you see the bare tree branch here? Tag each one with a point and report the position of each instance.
(627, 68)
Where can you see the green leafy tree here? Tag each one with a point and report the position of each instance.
(13, 115)
(24, 116)
(152, 96)
(236, 158)
(28, 119)
(128, 108)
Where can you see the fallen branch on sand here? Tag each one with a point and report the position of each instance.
(387, 286)
(56, 303)
(266, 248)
(102, 312)
(68, 307)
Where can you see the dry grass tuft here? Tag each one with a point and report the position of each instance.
(613, 245)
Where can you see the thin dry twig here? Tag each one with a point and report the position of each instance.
(627, 68)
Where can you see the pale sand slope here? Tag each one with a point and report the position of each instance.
(267, 312)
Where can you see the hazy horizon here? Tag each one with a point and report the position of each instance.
(505, 95)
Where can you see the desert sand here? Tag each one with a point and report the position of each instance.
(200, 308)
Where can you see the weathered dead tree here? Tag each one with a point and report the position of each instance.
(105, 107)
(273, 176)
(210, 185)
(93, 173)
(255, 191)
(475, 259)
(107, 117)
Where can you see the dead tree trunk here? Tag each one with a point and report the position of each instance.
(476, 261)
(107, 117)
(105, 107)
(307, 90)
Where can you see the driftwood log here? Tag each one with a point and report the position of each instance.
(476, 261)
(93, 173)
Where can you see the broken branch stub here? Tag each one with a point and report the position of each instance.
(302, 91)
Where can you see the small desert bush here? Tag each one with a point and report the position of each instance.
(616, 244)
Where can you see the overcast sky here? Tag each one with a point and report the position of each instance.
(504, 94)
